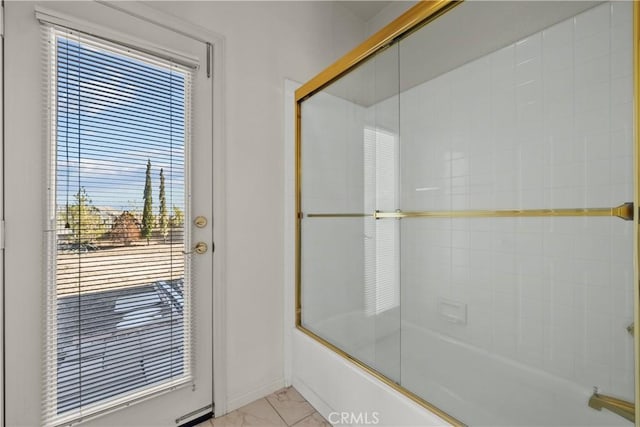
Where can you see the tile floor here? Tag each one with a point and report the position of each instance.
(284, 408)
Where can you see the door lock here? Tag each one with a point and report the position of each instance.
(200, 221)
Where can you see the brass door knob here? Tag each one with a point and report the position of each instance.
(200, 248)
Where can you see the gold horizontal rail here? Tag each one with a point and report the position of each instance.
(339, 215)
(624, 211)
(618, 406)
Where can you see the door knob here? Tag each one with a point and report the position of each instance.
(200, 248)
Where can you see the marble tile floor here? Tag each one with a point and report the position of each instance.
(284, 408)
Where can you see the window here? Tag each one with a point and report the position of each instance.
(118, 290)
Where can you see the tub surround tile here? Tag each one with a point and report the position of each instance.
(560, 34)
(528, 48)
(595, 20)
(558, 105)
(291, 406)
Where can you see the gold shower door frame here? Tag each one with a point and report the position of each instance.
(415, 18)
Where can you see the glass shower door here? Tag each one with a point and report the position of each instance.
(465, 211)
(512, 313)
(349, 261)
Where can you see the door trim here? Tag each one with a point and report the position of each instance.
(636, 190)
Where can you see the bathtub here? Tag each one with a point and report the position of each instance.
(470, 384)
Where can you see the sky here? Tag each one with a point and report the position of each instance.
(115, 112)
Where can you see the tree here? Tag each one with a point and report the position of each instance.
(125, 228)
(147, 211)
(83, 219)
(177, 219)
(163, 216)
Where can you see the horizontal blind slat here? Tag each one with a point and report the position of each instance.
(104, 103)
(107, 61)
(133, 119)
(72, 49)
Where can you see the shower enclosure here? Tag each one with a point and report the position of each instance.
(465, 201)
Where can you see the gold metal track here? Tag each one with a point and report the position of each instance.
(339, 215)
(624, 211)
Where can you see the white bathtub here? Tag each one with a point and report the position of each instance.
(481, 388)
(472, 385)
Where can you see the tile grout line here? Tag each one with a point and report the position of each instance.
(277, 412)
(304, 418)
(314, 410)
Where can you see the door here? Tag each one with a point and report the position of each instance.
(108, 164)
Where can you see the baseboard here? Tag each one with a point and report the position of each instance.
(312, 397)
(235, 402)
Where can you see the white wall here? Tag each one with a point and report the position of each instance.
(265, 42)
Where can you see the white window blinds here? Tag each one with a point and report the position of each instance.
(118, 288)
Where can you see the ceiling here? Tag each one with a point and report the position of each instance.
(364, 10)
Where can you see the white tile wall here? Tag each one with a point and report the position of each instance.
(543, 123)
(332, 178)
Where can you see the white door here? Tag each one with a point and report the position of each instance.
(96, 283)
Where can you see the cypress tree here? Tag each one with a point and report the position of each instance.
(147, 212)
(163, 220)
